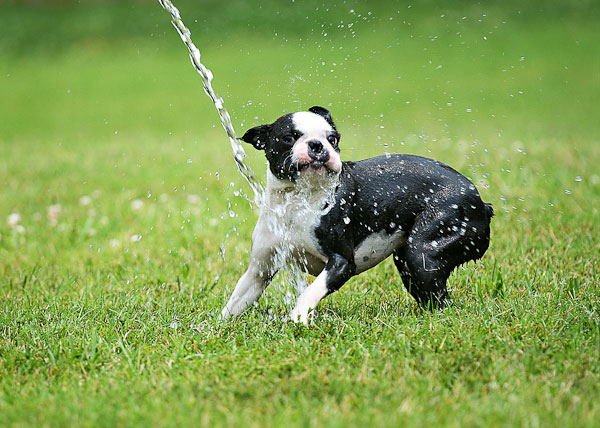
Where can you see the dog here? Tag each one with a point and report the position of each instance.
(337, 219)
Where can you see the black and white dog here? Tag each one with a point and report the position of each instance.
(337, 219)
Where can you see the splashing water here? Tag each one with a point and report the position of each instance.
(290, 265)
(288, 214)
(238, 151)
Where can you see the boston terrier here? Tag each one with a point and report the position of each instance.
(337, 219)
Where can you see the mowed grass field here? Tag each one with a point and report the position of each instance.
(124, 224)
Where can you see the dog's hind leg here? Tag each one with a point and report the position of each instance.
(400, 262)
(439, 241)
(424, 276)
(425, 262)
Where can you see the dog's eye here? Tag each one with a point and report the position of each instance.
(288, 139)
(332, 139)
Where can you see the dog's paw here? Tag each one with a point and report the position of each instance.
(225, 314)
(301, 315)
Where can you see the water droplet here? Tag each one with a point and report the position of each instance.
(135, 238)
(347, 220)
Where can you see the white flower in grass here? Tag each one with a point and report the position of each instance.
(13, 220)
(54, 211)
(114, 243)
(19, 228)
(85, 200)
(193, 199)
(137, 204)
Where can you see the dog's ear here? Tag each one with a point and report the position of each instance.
(257, 136)
(322, 111)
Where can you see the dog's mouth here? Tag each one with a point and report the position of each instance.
(315, 166)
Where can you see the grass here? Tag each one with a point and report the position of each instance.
(126, 250)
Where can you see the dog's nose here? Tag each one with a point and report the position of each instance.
(317, 152)
(315, 146)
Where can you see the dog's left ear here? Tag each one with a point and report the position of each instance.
(322, 111)
(257, 136)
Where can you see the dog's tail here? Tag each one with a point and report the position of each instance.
(489, 210)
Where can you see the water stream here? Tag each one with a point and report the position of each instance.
(238, 150)
(290, 273)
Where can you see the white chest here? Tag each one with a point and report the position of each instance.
(294, 227)
(291, 213)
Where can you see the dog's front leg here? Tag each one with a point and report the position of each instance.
(247, 291)
(337, 271)
(257, 277)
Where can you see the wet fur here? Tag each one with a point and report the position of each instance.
(337, 219)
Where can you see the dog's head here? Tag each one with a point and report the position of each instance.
(299, 144)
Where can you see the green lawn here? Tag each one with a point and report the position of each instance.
(124, 224)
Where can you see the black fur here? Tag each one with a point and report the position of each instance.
(440, 211)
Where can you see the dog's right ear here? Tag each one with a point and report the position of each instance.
(257, 136)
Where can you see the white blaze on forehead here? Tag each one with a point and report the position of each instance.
(313, 126)
(310, 123)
